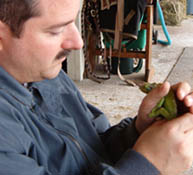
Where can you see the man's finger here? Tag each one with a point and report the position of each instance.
(184, 123)
(157, 93)
(188, 100)
(182, 89)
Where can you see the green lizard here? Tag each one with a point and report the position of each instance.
(166, 107)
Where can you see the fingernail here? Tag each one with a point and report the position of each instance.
(189, 101)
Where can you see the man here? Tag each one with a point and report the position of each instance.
(46, 128)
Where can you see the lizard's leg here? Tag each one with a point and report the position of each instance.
(162, 112)
(155, 110)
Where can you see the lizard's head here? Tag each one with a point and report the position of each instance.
(147, 87)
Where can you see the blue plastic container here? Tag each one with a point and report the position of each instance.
(190, 7)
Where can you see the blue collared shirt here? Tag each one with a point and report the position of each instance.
(48, 129)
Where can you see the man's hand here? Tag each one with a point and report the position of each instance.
(168, 144)
(166, 107)
(183, 95)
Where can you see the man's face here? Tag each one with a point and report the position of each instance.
(44, 43)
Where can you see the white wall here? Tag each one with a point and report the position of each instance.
(75, 62)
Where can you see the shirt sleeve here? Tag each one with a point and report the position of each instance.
(117, 139)
(18, 164)
(132, 163)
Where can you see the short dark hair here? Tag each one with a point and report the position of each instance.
(15, 13)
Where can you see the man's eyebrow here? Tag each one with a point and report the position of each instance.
(59, 25)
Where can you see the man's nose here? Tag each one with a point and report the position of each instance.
(73, 40)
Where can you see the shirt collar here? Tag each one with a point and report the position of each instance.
(11, 86)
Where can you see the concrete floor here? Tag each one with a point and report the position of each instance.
(118, 100)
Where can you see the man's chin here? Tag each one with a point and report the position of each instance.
(51, 75)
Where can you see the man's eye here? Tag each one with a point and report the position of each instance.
(55, 33)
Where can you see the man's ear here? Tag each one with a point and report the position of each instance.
(1, 33)
(4, 33)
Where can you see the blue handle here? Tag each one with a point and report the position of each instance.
(163, 26)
